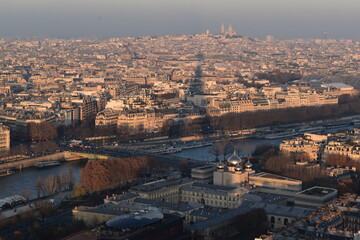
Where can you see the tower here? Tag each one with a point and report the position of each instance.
(222, 31)
(269, 38)
(324, 35)
(230, 31)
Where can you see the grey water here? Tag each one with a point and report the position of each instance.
(243, 147)
(26, 179)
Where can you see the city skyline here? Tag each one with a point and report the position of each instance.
(179, 120)
(109, 18)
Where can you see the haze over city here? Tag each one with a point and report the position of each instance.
(285, 19)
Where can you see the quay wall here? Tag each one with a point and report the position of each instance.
(29, 162)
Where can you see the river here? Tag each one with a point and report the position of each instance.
(27, 178)
(244, 148)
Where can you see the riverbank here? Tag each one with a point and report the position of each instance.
(285, 131)
(26, 161)
(26, 179)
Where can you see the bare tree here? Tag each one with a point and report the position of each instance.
(44, 207)
(40, 186)
(228, 149)
(221, 148)
(51, 184)
(336, 160)
(19, 150)
(302, 157)
(215, 151)
(103, 174)
(26, 193)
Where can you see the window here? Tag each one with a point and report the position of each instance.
(286, 221)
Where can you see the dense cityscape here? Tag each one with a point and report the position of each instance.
(204, 136)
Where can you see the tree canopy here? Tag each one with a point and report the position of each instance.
(108, 173)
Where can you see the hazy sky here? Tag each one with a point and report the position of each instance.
(285, 19)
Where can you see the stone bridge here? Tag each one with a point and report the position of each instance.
(60, 156)
(75, 156)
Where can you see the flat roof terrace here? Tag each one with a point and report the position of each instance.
(317, 191)
(204, 167)
(273, 176)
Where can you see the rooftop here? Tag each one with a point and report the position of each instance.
(318, 191)
(105, 209)
(156, 185)
(273, 176)
(219, 218)
(183, 207)
(204, 167)
(281, 210)
(270, 198)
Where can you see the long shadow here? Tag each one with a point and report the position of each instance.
(196, 85)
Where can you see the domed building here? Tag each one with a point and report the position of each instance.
(220, 166)
(238, 168)
(248, 166)
(234, 159)
(233, 173)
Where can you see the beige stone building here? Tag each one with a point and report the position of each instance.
(315, 196)
(162, 190)
(235, 106)
(203, 174)
(4, 138)
(108, 117)
(138, 119)
(188, 191)
(213, 195)
(268, 100)
(146, 121)
(275, 184)
(18, 120)
(352, 151)
(232, 173)
(310, 144)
